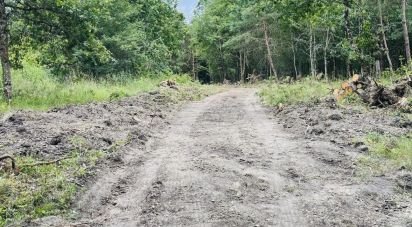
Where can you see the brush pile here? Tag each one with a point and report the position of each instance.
(373, 94)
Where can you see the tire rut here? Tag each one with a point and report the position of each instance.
(223, 162)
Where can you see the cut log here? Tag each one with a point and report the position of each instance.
(374, 94)
(169, 83)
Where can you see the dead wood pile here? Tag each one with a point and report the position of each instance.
(374, 94)
(169, 84)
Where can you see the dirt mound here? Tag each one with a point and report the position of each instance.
(96, 126)
(342, 125)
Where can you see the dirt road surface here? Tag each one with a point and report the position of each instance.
(224, 161)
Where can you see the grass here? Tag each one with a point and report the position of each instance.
(35, 88)
(387, 153)
(42, 190)
(387, 78)
(306, 90)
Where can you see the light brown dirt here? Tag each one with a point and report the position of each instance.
(224, 161)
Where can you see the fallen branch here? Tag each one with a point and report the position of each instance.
(16, 169)
(45, 163)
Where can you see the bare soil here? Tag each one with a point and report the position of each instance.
(223, 161)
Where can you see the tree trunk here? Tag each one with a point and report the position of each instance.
(405, 32)
(222, 76)
(378, 68)
(242, 65)
(294, 57)
(347, 5)
(312, 53)
(325, 53)
(269, 52)
(4, 53)
(385, 43)
(194, 66)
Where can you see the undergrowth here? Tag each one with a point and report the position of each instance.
(306, 90)
(387, 153)
(42, 190)
(35, 88)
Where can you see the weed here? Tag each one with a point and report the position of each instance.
(387, 153)
(306, 90)
(35, 88)
(42, 190)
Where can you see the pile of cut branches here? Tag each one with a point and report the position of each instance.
(374, 94)
(169, 84)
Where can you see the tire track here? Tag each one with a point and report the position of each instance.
(224, 162)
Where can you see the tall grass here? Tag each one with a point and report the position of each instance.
(35, 88)
(303, 91)
(396, 149)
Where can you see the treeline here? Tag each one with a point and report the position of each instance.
(227, 40)
(96, 38)
(326, 38)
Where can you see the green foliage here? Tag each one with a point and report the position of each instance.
(396, 149)
(305, 37)
(307, 90)
(97, 37)
(387, 153)
(42, 190)
(388, 79)
(36, 88)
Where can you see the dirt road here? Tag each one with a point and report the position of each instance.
(224, 162)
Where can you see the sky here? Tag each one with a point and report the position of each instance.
(187, 7)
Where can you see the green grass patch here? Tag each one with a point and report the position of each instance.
(387, 153)
(35, 88)
(42, 190)
(303, 91)
(387, 78)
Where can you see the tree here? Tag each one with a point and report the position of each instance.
(4, 52)
(94, 38)
(405, 32)
(385, 43)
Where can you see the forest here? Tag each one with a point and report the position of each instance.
(329, 39)
(226, 39)
(243, 113)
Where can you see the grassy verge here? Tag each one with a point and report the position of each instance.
(306, 90)
(42, 190)
(387, 153)
(34, 88)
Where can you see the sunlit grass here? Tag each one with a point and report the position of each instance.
(42, 190)
(35, 88)
(396, 149)
(303, 91)
(386, 154)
